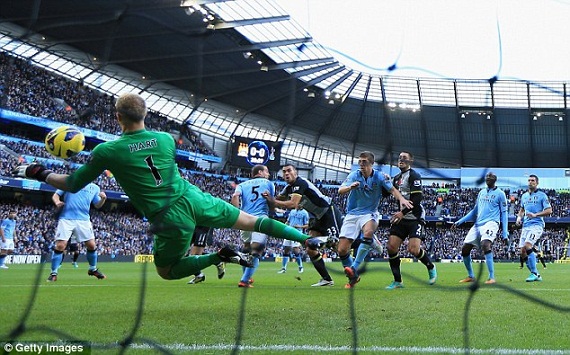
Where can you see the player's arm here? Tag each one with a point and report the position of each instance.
(547, 209)
(271, 191)
(288, 221)
(348, 185)
(292, 203)
(520, 216)
(56, 199)
(504, 216)
(73, 183)
(471, 216)
(2, 233)
(102, 198)
(236, 198)
(305, 220)
(406, 205)
(543, 213)
(415, 199)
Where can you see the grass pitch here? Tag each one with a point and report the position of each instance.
(284, 314)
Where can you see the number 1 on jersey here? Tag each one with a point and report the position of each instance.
(153, 170)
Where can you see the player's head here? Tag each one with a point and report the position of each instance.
(405, 160)
(532, 182)
(260, 171)
(365, 161)
(131, 108)
(289, 173)
(490, 179)
(12, 214)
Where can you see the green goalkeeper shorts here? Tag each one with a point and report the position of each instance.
(173, 235)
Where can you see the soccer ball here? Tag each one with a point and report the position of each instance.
(65, 142)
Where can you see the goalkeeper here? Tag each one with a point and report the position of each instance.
(143, 164)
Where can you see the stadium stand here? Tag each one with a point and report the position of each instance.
(39, 93)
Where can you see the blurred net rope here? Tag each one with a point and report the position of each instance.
(123, 345)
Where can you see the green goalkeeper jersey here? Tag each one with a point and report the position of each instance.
(143, 164)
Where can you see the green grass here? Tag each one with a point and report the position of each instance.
(284, 314)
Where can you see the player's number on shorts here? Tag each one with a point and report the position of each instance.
(153, 170)
(332, 232)
(254, 193)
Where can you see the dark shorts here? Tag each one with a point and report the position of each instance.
(202, 236)
(73, 247)
(408, 228)
(173, 233)
(329, 224)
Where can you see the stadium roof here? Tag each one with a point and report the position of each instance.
(253, 58)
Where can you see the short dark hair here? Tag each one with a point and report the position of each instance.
(257, 169)
(534, 176)
(410, 154)
(131, 107)
(368, 155)
(291, 165)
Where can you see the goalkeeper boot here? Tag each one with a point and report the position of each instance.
(197, 279)
(229, 255)
(98, 274)
(531, 278)
(221, 270)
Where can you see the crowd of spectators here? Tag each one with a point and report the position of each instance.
(30, 90)
(37, 92)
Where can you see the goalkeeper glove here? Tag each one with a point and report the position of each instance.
(33, 171)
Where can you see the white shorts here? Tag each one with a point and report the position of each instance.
(488, 231)
(291, 243)
(9, 245)
(530, 235)
(353, 224)
(253, 237)
(82, 230)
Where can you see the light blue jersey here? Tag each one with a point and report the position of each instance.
(77, 204)
(491, 206)
(9, 226)
(534, 203)
(366, 198)
(298, 217)
(251, 200)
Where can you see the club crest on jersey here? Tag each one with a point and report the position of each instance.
(295, 188)
(417, 183)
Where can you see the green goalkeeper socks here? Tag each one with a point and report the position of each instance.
(191, 264)
(277, 229)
